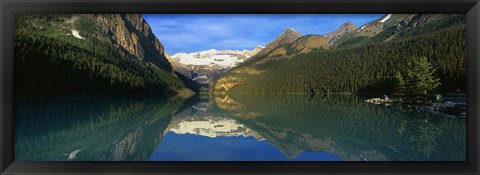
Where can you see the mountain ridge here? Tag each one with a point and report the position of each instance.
(329, 70)
(287, 36)
(342, 30)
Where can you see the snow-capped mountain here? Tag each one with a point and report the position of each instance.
(202, 66)
(223, 58)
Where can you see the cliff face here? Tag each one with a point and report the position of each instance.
(101, 53)
(132, 33)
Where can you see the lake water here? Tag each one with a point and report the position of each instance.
(232, 128)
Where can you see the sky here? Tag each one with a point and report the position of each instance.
(198, 32)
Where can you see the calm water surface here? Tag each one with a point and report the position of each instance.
(232, 128)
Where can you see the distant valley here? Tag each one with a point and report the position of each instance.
(204, 66)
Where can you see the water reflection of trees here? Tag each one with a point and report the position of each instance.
(114, 128)
(350, 127)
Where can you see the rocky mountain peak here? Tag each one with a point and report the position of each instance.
(344, 29)
(348, 26)
(257, 49)
(289, 34)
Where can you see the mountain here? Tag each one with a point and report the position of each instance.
(391, 27)
(89, 54)
(340, 32)
(364, 60)
(309, 42)
(301, 45)
(204, 66)
(371, 29)
(222, 58)
(134, 35)
(287, 36)
(290, 43)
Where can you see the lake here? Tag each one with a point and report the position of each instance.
(231, 128)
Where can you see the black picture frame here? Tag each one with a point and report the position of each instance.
(10, 7)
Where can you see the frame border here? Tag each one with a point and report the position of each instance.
(10, 7)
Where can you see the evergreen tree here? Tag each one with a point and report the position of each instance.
(420, 79)
(400, 87)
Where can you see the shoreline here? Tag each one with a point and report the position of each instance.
(451, 107)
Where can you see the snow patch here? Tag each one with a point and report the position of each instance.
(386, 18)
(361, 28)
(200, 77)
(223, 58)
(76, 34)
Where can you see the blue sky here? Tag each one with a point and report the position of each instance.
(195, 32)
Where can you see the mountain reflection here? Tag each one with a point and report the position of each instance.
(203, 120)
(201, 132)
(236, 127)
(348, 127)
(103, 128)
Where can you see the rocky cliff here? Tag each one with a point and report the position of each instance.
(340, 32)
(101, 53)
(132, 33)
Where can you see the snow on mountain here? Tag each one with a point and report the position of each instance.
(200, 77)
(386, 18)
(223, 58)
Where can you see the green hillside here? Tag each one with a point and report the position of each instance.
(49, 60)
(366, 67)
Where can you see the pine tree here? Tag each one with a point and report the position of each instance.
(426, 76)
(420, 79)
(400, 87)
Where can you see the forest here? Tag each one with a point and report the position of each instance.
(370, 67)
(48, 61)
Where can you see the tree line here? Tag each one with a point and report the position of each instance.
(365, 68)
